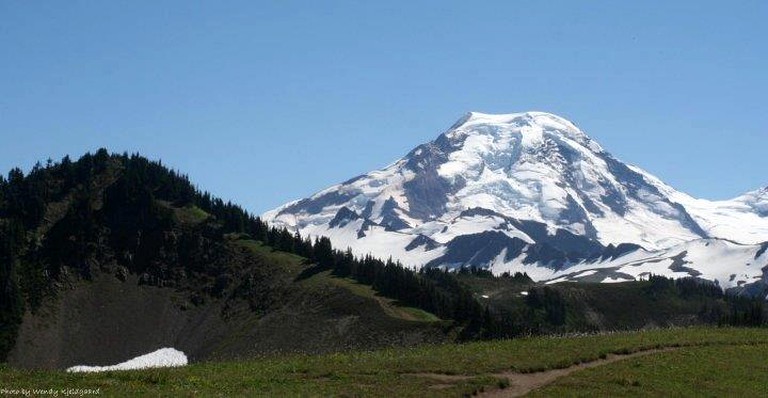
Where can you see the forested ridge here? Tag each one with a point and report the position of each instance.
(71, 217)
(128, 215)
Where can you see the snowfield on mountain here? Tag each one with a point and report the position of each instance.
(530, 192)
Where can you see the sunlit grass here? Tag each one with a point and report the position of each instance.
(390, 372)
(735, 371)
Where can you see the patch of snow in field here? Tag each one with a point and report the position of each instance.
(162, 358)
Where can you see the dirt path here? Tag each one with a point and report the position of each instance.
(523, 383)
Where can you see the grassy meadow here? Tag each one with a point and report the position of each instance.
(708, 361)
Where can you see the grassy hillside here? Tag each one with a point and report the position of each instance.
(105, 319)
(724, 360)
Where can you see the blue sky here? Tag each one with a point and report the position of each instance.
(262, 102)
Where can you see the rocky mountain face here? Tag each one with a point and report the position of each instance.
(531, 192)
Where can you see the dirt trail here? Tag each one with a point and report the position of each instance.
(523, 383)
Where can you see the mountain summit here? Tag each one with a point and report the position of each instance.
(494, 188)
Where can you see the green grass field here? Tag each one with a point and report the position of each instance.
(722, 371)
(708, 361)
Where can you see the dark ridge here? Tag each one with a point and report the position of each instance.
(316, 205)
(368, 210)
(762, 250)
(571, 245)
(480, 211)
(479, 249)
(613, 252)
(343, 217)
(678, 265)
(353, 180)
(422, 240)
(367, 225)
(688, 221)
(428, 193)
(390, 219)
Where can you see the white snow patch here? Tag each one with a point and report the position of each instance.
(162, 358)
(558, 280)
(586, 273)
(615, 280)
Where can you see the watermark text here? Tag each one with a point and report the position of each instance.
(49, 392)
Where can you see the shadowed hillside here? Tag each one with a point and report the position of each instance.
(113, 256)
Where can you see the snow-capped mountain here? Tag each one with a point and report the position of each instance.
(517, 191)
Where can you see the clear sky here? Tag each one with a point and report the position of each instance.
(262, 102)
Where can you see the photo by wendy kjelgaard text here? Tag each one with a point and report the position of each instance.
(49, 392)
